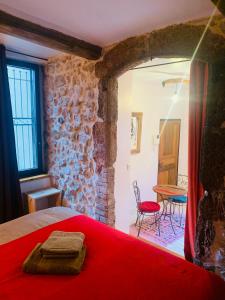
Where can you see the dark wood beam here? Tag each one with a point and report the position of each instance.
(47, 37)
(220, 5)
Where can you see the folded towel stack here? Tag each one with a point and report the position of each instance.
(61, 253)
(62, 244)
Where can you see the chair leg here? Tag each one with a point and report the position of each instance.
(138, 215)
(179, 212)
(182, 207)
(165, 214)
(158, 223)
(171, 223)
(140, 223)
(155, 217)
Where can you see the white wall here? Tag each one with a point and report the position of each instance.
(141, 92)
(156, 103)
(122, 172)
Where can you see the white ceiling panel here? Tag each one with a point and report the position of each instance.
(104, 22)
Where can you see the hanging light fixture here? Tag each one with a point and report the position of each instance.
(176, 81)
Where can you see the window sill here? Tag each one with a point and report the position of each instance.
(26, 179)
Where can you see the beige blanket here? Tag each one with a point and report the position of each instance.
(14, 229)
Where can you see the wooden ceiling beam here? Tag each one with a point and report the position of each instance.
(47, 37)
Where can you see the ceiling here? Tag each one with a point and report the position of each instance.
(103, 22)
(161, 72)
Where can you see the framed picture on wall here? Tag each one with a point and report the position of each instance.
(136, 127)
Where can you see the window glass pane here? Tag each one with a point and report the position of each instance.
(23, 99)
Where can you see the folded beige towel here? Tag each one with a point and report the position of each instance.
(62, 244)
(35, 263)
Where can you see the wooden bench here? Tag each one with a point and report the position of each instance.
(35, 196)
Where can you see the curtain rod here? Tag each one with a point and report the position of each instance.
(29, 55)
(169, 63)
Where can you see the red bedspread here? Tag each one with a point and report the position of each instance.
(117, 267)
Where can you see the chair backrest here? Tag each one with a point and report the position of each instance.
(136, 192)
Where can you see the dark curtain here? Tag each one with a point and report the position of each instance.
(197, 115)
(10, 194)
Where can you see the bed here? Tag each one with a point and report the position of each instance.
(19, 227)
(117, 266)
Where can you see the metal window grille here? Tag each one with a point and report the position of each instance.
(23, 100)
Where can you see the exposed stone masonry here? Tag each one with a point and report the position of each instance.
(105, 150)
(71, 93)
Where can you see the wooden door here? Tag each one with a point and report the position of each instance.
(168, 151)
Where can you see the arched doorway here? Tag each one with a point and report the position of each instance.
(152, 93)
(173, 41)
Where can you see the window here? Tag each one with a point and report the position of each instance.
(25, 100)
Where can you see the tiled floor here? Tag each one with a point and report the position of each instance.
(166, 240)
(176, 247)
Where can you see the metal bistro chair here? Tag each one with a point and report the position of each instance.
(179, 201)
(145, 208)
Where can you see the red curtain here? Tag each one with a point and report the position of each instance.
(197, 114)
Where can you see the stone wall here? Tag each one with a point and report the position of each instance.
(105, 134)
(217, 24)
(77, 137)
(71, 105)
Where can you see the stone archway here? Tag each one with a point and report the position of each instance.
(173, 41)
